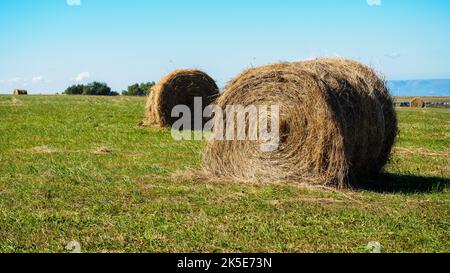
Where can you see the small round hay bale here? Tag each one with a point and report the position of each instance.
(337, 124)
(417, 103)
(20, 92)
(179, 88)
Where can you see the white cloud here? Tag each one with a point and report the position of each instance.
(37, 79)
(393, 55)
(11, 81)
(15, 80)
(73, 2)
(82, 76)
(374, 2)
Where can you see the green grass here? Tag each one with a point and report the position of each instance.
(54, 189)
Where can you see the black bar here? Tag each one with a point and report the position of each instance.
(220, 262)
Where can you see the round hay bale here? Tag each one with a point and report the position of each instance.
(20, 92)
(417, 103)
(179, 88)
(337, 124)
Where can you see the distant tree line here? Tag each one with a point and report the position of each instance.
(91, 89)
(140, 90)
(102, 89)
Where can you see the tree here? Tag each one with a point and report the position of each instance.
(74, 90)
(97, 89)
(141, 90)
(146, 88)
(132, 90)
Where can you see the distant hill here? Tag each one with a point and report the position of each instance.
(420, 88)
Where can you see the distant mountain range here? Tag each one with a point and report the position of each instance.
(420, 88)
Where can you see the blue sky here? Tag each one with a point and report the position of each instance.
(47, 45)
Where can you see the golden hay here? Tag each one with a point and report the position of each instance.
(179, 88)
(417, 103)
(337, 124)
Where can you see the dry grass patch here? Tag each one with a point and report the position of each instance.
(102, 150)
(43, 150)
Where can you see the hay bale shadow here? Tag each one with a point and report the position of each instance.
(404, 184)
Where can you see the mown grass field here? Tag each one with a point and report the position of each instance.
(56, 186)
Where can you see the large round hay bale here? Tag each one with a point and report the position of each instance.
(417, 103)
(179, 88)
(337, 124)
